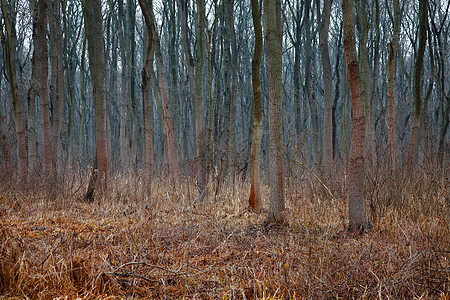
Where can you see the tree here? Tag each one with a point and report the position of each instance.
(365, 73)
(327, 86)
(297, 72)
(8, 46)
(198, 104)
(255, 187)
(31, 96)
(195, 84)
(170, 138)
(229, 11)
(392, 61)
(124, 148)
(356, 205)
(43, 88)
(423, 16)
(146, 7)
(57, 79)
(131, 47)
(309, 85)
(96, 50)
(273, 35)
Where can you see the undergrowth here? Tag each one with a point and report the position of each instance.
(176, 246)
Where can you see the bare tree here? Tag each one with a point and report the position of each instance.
(96, 49)
(229, 11)
(57, 91)
(8, 46)
(167, 116)
(43, 88)
(273, 35)
(327, 86)
(255, 187)
(198, 105)
(309, 85)
(146, 7)
(423, 15)
(392, 62)
(356, 205)
(31, 96)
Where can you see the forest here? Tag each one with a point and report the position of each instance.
(225, 149)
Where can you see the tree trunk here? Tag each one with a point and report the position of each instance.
(174, 94)
(123, 142)
(356, 205)
(183, 11)
(198, 105)
(229, 9)
(170, 137)
(31, 97)
(417, 80)
(147, 7)
(43, 89)
(327, 87)
(345, 119)
(96, 51)
(131, 7)
(364, 69)
(337, 89)
(255, 187)
(392, 65)
(83, 100)
(373, 93)
(57, 81)
(71, 37)
(309, 87)
(8, 46)
(273, 36)
(297, 87)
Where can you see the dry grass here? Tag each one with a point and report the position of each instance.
(123, 246)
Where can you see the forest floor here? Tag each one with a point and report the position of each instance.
(174, 246)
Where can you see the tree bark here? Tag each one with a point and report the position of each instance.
(327, 87)
(8, 46)
(57, 81)
(392, 65)
(299, 125)
(81, 136)
(255, 186)
(147, 7)
(273, 36)
(356, 205)
(417, 80)
(43, 89)
(174, 93)
(96, 51)
(123, 142)
(183, 11)
(131, 8)
(337, 89)
(309, 87)
(31, 96)
(170, 137)
(198, 105)
(365, 73)
(229, 9)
